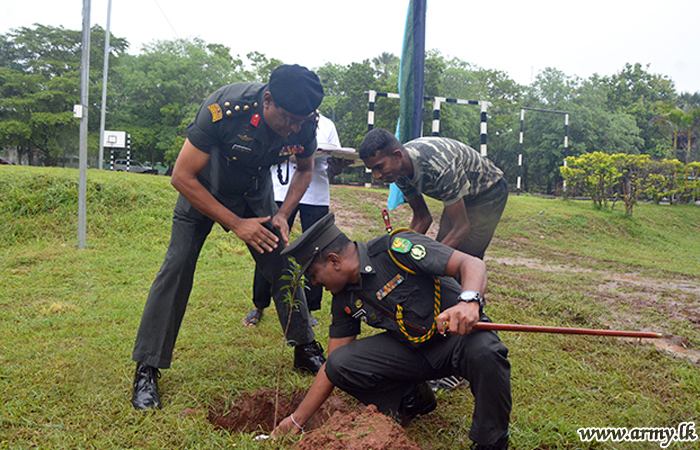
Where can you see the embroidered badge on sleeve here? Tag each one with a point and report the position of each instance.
(401, 245)
(418, 252)
(215, 111)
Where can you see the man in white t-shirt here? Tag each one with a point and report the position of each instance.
(312, 207)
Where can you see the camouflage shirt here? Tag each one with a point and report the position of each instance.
(447, 170)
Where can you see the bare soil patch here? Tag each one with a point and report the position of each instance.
(341, 423)
(633, 295)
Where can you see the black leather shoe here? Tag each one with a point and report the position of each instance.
(145, 393)
(309, 357)
(501, 444)
(420, 400)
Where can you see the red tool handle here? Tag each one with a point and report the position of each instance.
(385, 216)
(563, 330)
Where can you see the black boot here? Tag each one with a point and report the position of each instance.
(420, 400)
(309, 357)
(501, 444)
(145, 393)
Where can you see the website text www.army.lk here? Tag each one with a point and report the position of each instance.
(684, 432)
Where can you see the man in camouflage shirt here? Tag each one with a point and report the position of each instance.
(470, 186)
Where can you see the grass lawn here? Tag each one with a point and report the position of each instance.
(68, 318)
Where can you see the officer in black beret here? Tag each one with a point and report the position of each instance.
(223, 176)
(406, 284)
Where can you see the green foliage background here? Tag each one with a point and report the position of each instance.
(154, 94)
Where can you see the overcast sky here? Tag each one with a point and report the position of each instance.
(518, 37)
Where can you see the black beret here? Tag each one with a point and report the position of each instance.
(296, 89)
(317, 237)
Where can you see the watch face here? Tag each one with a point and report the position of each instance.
(468, 295)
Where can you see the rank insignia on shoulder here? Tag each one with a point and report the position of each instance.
(215, 111)
(401, 245)
(418, 252)
(255, 120)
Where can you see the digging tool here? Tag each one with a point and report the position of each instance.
(537, 328)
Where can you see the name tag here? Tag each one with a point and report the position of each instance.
(240, 148)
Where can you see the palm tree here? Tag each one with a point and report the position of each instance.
(385, 64)
(690, 125)
(670, 118)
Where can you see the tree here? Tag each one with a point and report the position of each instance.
(682, 126)
(331, 77)
(690, 126)
(596, 127)
(638, 93)
(595, 173)
(262, 67)
(634, 171)
(162, 88)
(386, 65)
(39, 84)
(687, 101)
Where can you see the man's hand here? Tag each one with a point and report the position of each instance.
(337, 165)
(457, 213)
(286, 426)
(254, 234)
(282, 224)
(459, 319)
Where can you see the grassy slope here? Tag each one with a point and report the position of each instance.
(68, 318)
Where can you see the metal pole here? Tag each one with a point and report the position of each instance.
(436, 115)
(484, 132)
(370, 110)
(104, 86)
(520, 155)
(566, 147)
(82, 165)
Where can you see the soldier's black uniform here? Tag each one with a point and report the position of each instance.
(400, 272)
(230, 127)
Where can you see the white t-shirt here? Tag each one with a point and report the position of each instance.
(318, 193)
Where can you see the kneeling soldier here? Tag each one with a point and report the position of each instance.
(406, 284)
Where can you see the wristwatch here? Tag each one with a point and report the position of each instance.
(472, 296)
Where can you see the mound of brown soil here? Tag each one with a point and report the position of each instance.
(368, 430)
